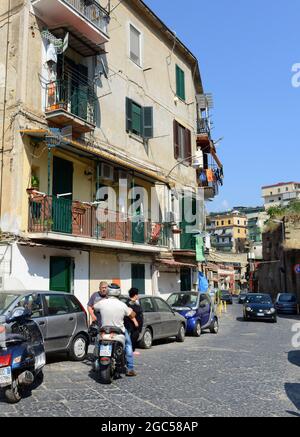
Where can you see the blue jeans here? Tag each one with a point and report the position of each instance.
(128, 351)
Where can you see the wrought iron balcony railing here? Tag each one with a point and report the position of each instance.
(74, 98)
(92, 11)
(80, 219)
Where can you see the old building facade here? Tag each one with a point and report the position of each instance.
(100, 102)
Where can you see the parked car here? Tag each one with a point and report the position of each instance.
(226, 297)
(286, 303)
(60, 317)
(259, 306)
(160, 321)
(198, 310)
(243, 297)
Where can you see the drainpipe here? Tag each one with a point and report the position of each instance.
(4, 106)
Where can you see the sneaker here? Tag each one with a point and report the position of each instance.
(131, 373)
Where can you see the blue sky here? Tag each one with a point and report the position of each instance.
(246, 50)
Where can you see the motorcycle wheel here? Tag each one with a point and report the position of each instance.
(105, 374)
(13, 395)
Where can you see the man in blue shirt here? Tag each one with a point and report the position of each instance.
(95, 298)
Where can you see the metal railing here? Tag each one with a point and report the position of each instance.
(77, 99)
(203, 126)
(64, 216)
(92, 11)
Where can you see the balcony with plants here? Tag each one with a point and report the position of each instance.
(58, 215)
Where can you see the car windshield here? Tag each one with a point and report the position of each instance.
(183, 300)
(287, 298)
(5, 300)
(259, 298)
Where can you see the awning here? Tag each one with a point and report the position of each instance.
(95, 153)
(173, 263)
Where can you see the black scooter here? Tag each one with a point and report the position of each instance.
(109, 352)
(22, 354)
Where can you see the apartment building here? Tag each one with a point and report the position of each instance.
(229, 231)
(100, 102)
(280, 194)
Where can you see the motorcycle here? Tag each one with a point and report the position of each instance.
(110, 353)
(22, 354)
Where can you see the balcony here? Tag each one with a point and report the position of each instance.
(203, 133)
(83, 19)
(50, 214)
(70, 103)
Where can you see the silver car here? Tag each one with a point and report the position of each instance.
(160, 321)
(60, 316)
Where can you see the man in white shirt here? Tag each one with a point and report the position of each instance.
(113, 312)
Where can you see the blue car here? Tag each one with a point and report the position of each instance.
(198, 310)
(286, 303)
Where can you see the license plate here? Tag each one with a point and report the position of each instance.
(40, 361)
(5, 376)
(260, 314)
(105, 350)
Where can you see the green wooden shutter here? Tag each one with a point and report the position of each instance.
(137, 119)
(138, 277)
(148, 122)
(128, 114)
(180, 83)
(60, 274)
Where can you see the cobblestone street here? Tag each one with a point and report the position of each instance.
(249, 369)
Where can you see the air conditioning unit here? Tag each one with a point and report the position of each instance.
(107, 172)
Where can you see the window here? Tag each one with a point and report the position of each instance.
(222, 222)
(287, 189)
(239, 231)
(57, 305)
(139, 120)
(162, 306)
(182, 143)
(204, 300)
(278, 190)
(229, 222)
(33, 303)
(180, 83)
(135, 45)
(147, 305)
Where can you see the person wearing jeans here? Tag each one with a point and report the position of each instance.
(129, 352)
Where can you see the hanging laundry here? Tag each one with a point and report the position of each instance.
(203, 178)
(51, 54)
(210, 175)
(200, 256)
(203, 283)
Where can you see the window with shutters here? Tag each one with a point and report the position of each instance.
(139, 119)
(180, 83)
(182, 144)
(135, 45)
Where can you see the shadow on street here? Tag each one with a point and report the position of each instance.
(293, 393)
(294, 357)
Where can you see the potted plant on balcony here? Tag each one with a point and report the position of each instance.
(35, 184)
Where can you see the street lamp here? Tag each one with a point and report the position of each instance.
(282, 223)
(195, 164)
